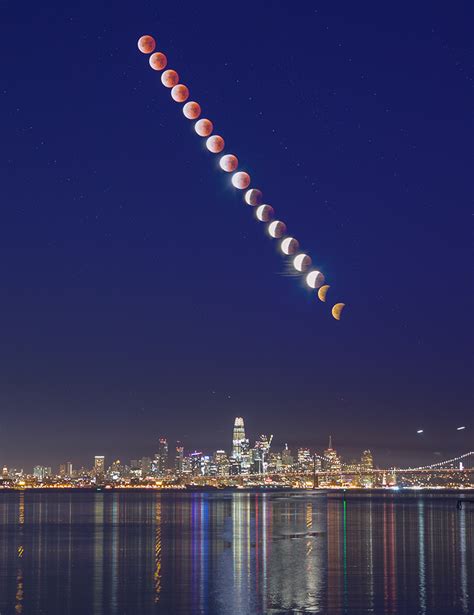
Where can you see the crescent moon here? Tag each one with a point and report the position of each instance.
(322, 292)
(337, 310)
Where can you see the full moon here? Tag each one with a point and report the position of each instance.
(264, 213)
(203, 127)
(277, 229)
(241, 180)
(253, 197)
(146, 44)
(215, 144)
(170, 78)
(302, 262)
(337, 310)
(229, 163)
(180, 93)
(322, 292)
(158, 61)
(289, 246)
(192, 110)
(314, 279)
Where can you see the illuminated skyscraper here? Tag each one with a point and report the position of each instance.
(238, 438)
(162, 456)
(178, 459)
(99, 465)
(332, 461)
(366, 467)
(69, 468)
(240, 444)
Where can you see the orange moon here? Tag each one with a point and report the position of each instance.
(180, 93)
(241, 180)
(264, 213)
(203, 127)
(215, 144)
(337, 310)
(146, 44)
(253, 197)
(322, 292)
(192, 110)
(158, 61)
(170, 78)
(229, 163)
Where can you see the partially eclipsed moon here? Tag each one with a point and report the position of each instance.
(289, 246)
(277, 229)
(337, 310)
(264, 213)
(229, 163)
(315, 279)
(302, 262)
(253, 197)
(203, 127)
(322, 292)
(146, 44)
(241, 180)
(215, 144)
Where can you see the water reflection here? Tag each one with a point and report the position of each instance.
(234, 553)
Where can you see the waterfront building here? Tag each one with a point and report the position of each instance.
(99, 466)
(178, 459)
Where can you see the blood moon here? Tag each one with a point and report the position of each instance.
(158, 61)
(215, 144)
(192, 110)
(170, 78)
(229, 163)
(146, 43)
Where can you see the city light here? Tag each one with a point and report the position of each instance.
(243, 466)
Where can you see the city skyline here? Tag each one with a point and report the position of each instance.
(251, 455)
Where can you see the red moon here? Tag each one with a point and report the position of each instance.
(180, 93)
(146, 44)
(170, 78)
(229, 163)
(203, 127)
(215, 144)
(192, 110)
(241, 180)
(158, 61)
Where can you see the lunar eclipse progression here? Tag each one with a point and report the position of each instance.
(215, 143)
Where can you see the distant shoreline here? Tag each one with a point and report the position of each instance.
(191, 490)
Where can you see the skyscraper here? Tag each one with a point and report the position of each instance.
(332, 461)
(238, 438)
(99, 465)
(162, 455)
(367, 466)
(178, 459)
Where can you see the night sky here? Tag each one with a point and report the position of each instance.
(139, 297)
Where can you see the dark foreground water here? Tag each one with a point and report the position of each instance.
(243, 553)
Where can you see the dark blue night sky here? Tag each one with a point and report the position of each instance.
(139, 297)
